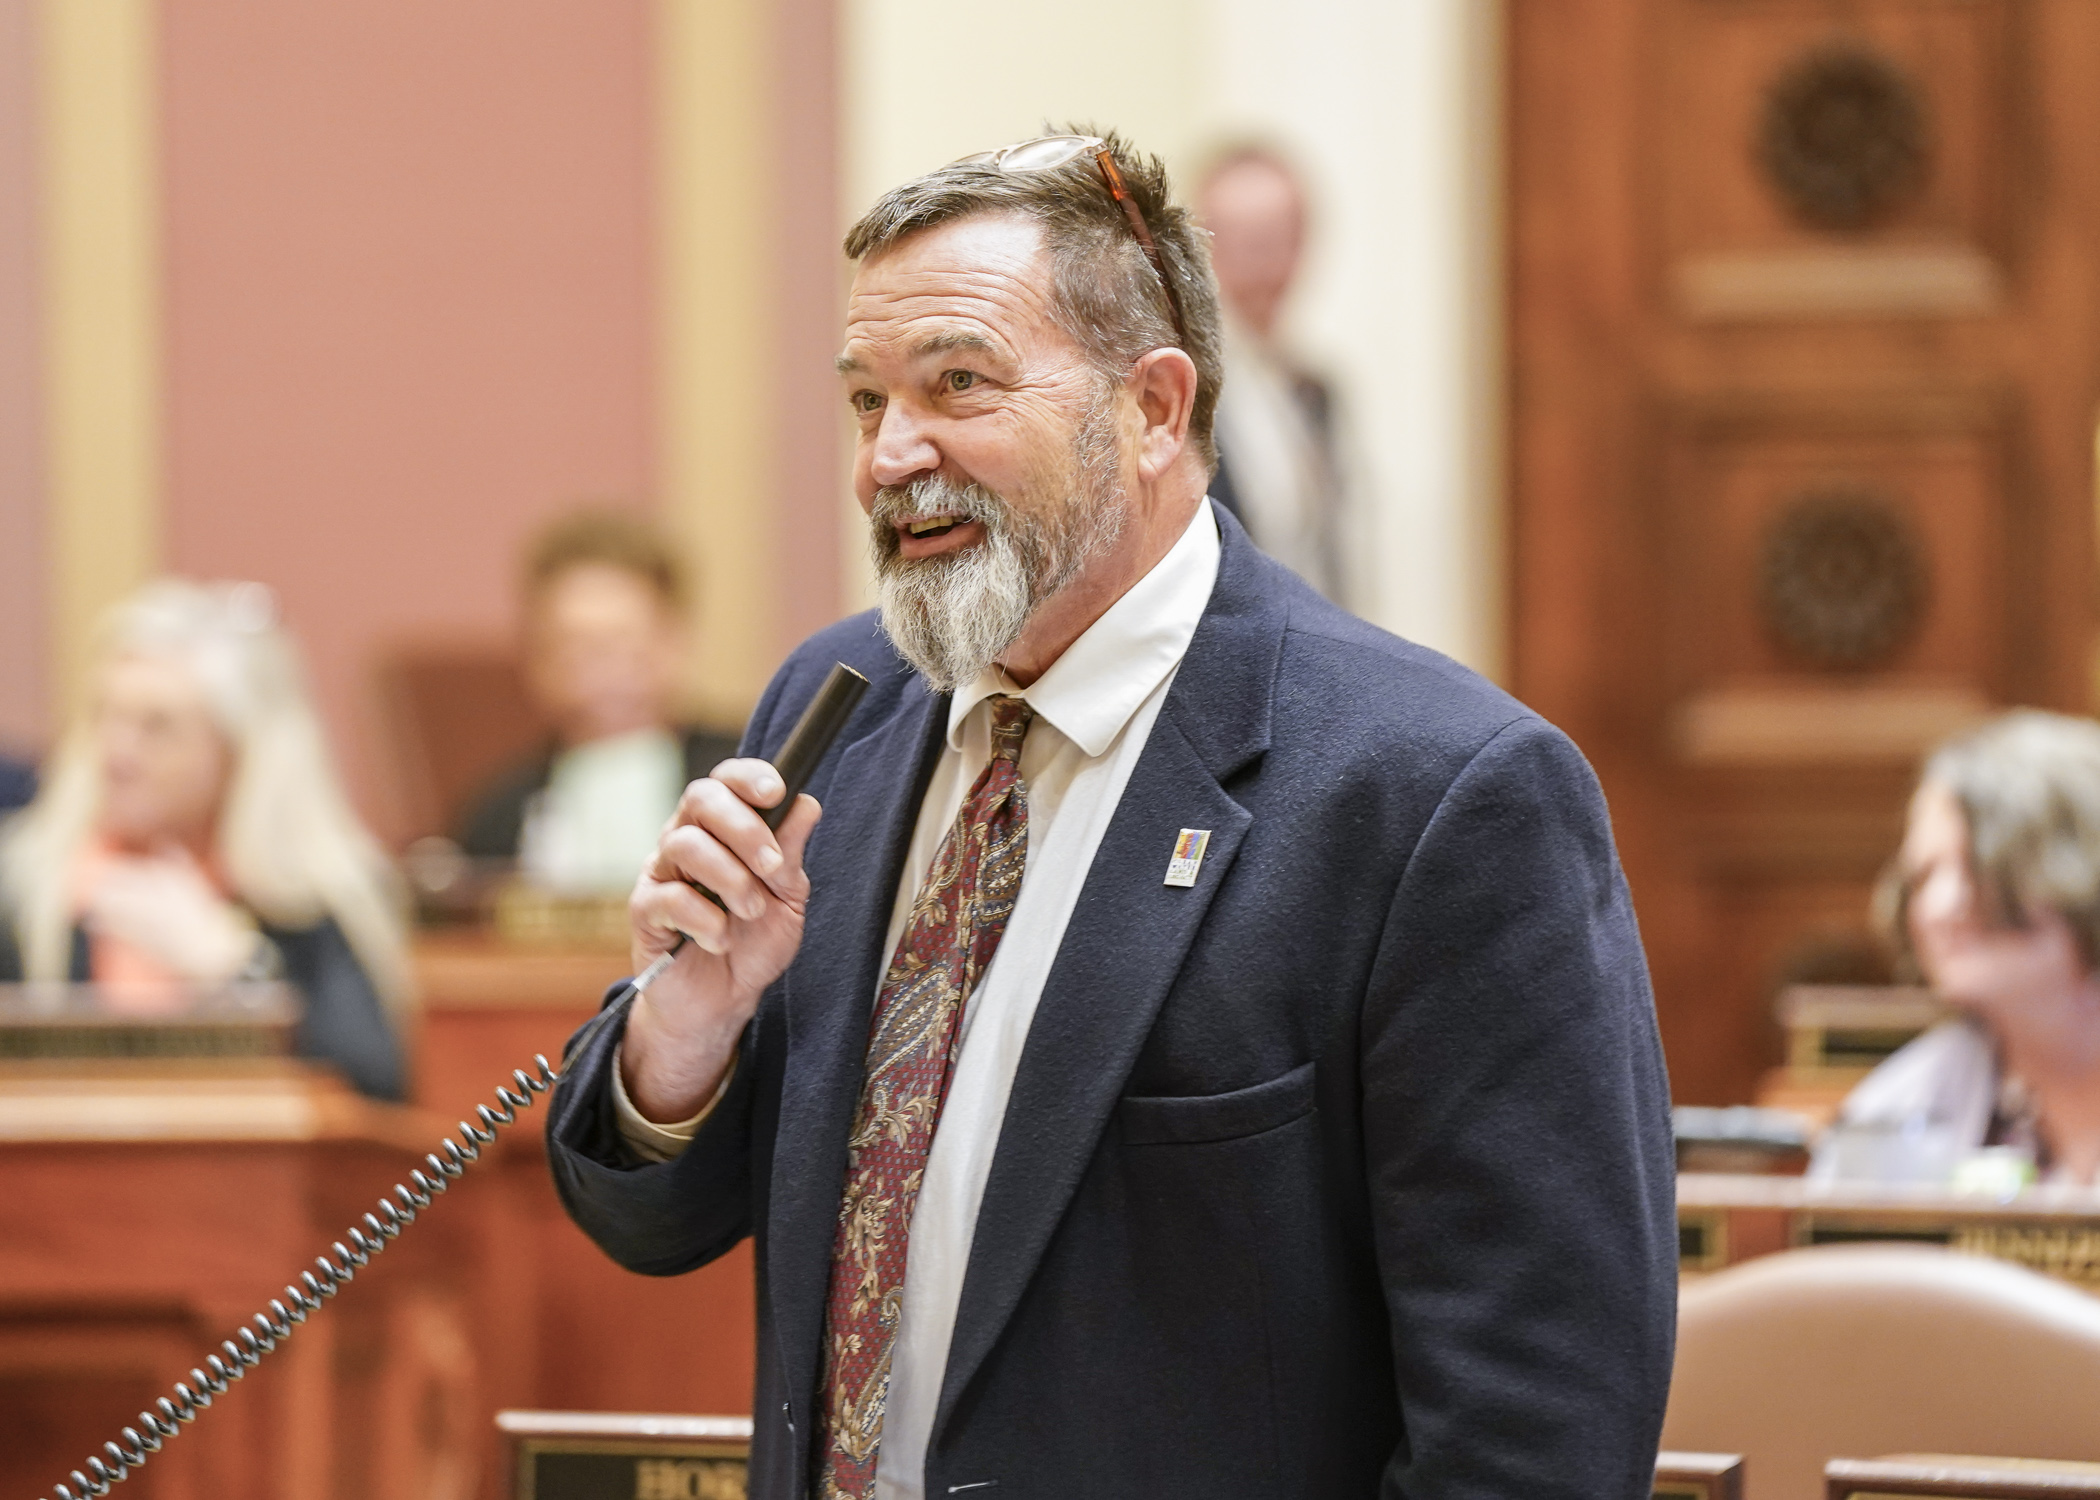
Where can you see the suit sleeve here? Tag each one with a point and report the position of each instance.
(1518, 1144)
(661, 1218)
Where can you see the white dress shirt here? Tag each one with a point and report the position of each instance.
(1094, 711)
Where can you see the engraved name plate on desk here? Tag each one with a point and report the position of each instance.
(570, 1455)
(73, 1022)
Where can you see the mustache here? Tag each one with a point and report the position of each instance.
(897, 504)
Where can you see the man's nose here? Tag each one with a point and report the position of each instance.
(904, 450)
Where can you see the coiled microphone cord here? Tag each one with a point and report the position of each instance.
(240, 1354)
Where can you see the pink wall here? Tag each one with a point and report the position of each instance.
(24, 639)
(811, 315)
(408, 307)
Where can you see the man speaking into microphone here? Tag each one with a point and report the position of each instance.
(1204, 1049)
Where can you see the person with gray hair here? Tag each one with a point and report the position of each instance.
(1994, 902)
(1205, 1049)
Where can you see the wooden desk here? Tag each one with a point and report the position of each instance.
(585, 1334)
(1960, 1477)
(147, 1211)
(1835, 1035)
(1698, 1476)
(570, 1455)
(1723, 1218)
(488, 1007)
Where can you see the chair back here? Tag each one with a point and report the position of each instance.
(456, 713)
(1857, 1350)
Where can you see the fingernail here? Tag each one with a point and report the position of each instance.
(768, 860)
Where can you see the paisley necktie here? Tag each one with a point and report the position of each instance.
(955, 925)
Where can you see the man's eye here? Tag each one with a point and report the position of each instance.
(961, 380)
(865, 402)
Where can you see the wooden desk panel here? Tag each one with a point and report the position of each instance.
(488, 1007)
(132, 1241)
(1698, 1476)
(590, 1336)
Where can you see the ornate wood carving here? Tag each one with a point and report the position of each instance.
(1845, 137)
(1842, 578)
(1697, 346)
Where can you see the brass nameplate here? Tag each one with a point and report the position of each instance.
(44, 1022)
(579, 1469)
(1702, 1244)
(63, 1041)
(2068, 1252)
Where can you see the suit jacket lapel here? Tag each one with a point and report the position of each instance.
(870, 809)
(1127, 939)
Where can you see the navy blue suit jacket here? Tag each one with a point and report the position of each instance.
(1345, 1173)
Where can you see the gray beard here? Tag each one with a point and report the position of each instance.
(953, 616)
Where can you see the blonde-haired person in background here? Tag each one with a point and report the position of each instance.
(1995, 901)
(191, 830)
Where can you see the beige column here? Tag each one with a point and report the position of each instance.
(101, 312)
(717, 288)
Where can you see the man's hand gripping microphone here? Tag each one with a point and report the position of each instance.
(807, 744)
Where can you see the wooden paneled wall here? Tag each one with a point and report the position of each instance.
(1805, 341)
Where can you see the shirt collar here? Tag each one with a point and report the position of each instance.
(1091, 691)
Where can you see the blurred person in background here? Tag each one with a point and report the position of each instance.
(191, 831)
(604, 644)
(1280, 459)
(1995, 901)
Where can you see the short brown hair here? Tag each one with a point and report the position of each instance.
(1104, 291)
(608, 538)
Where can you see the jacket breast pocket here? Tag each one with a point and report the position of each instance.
(1161, 1120)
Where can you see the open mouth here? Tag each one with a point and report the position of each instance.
(935, 525)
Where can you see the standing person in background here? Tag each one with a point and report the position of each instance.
(1280, 461)
(191, 830)
(604, 641)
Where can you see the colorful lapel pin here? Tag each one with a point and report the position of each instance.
(1188, 856)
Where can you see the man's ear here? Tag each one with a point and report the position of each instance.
(1164, 386)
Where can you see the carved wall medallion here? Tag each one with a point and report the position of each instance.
(1846, 138)
(1842, 578)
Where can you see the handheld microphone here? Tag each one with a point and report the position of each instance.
(807, 744)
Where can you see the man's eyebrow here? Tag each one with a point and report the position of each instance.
(946, 341)
(953, 340)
